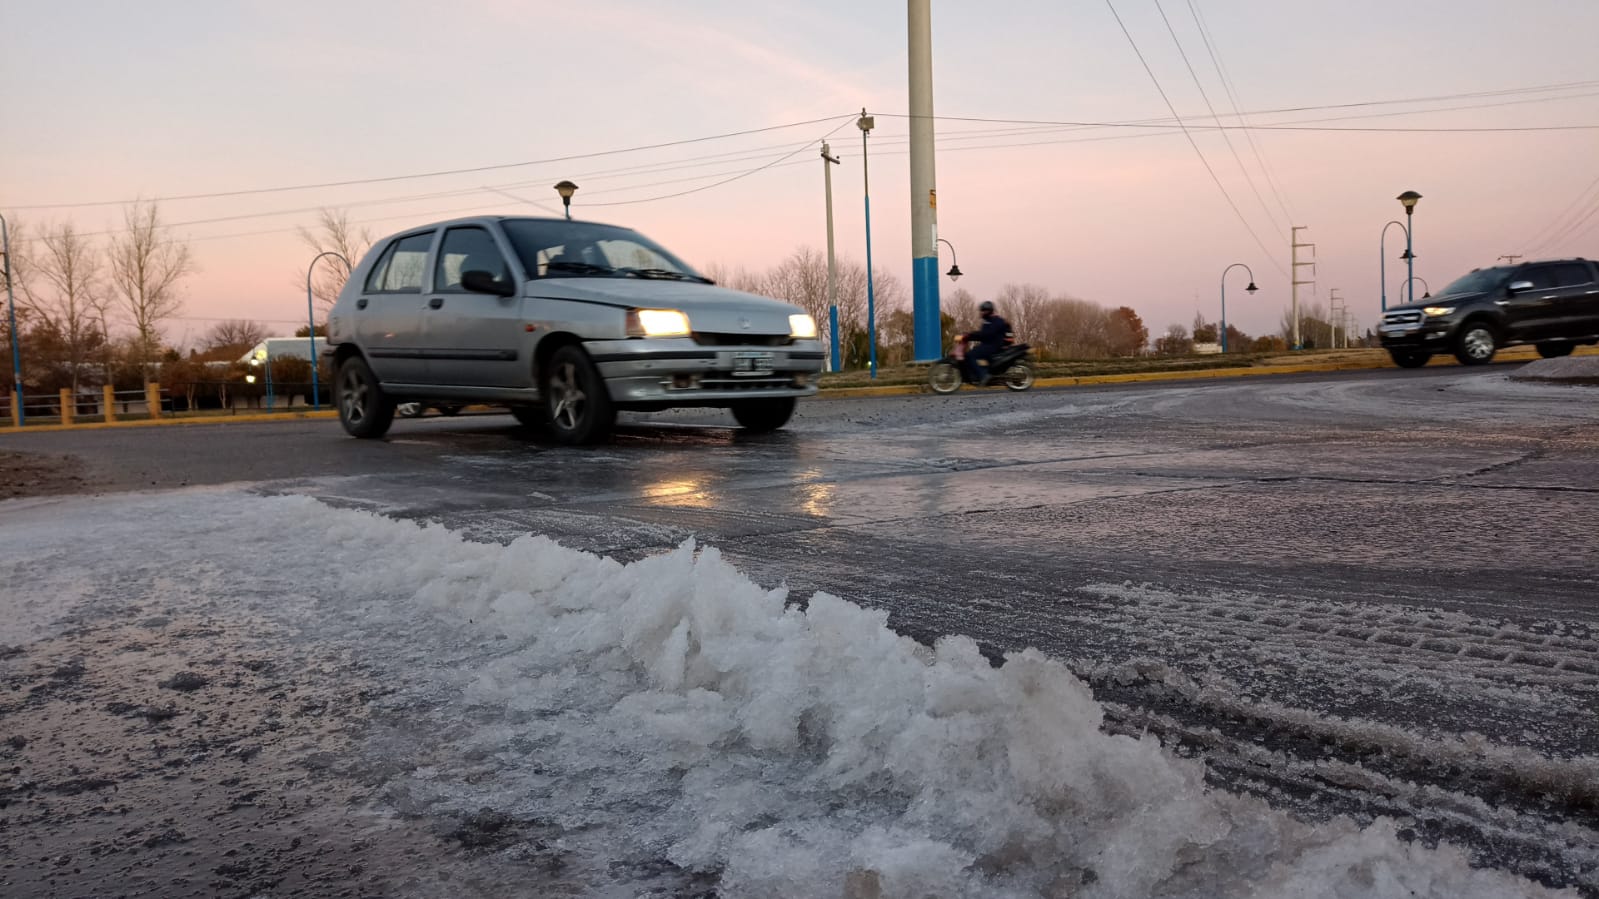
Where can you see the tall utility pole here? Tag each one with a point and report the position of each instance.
(866, 123)
(924, 194)
(1511, 258)
(19, 416)
(1294, 247)
(1335, 312)
(828, 161)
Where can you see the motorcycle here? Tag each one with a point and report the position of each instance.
(1009, 367)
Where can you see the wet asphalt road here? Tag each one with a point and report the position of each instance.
(1365, 593)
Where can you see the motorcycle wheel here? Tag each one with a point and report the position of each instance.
(944, 378)
(408, 410)
(1020, 376)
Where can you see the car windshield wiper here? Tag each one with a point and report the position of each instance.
(667, 274)
(585, 268)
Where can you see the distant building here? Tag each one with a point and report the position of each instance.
(284, 348)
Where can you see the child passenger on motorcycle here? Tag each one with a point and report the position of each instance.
(992, 337)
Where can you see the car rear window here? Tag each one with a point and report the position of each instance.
(1570, 274)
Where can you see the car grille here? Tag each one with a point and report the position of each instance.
(714, 339)
(771, 382)
(1401, 318)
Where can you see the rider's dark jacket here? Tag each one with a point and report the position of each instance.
(992, 334)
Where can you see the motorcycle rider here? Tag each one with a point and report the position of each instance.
(992, 337)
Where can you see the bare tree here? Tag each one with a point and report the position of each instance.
(1024, 306)
(238, 334)
(334, 233)
(146, 266)
(736, 278)
(960, 305)
(67, 295)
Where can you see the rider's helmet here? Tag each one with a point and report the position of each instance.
(985, 309)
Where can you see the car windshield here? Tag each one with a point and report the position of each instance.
(558, 249)
(1479, 281)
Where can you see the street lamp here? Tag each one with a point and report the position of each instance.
(955, 269)
(20, 416)
(1382, 259)
(866, 123)
(1427, 291)
(265, 363)
(566, 189)
(1251, 288)
(1408, 200)
(310, 320)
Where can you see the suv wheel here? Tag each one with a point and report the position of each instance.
(1476, 343)
(764, 415)
(575, 398)
(364, 410)
(1555, 350)
(1409, 358)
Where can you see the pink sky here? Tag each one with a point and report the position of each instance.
(108, 101)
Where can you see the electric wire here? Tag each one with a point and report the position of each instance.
(1192, 143)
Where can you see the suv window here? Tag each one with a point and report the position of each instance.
(1570, 274)
(464, 250)
(1541, 276)
(400, 270)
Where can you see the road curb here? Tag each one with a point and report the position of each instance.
(1124, 378)
(166, 422)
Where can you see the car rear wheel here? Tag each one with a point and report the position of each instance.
(1555, 350)
(1476, 344)
(1409, 358)
(449, 410)
(364, 410)
(764, 415)
(575, 398)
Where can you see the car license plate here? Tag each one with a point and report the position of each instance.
(749, 365)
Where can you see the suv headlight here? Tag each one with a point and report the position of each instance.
(801, 326)
(1437, 310)
(657, 323)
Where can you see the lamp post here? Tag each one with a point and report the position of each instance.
(828, 161)
(566, 189)
(954, 272)
(866, 123)
(1382, 258)
(1424, 287)
(19, 416)
(263, 360)
(1408, 200)
(310, 321)
(1251, 288)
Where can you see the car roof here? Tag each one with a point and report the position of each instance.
(491, 219)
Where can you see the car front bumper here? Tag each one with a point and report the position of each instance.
(1427, 334)
(681, 372)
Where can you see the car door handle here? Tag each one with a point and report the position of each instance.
(361, 303)
(436, 303)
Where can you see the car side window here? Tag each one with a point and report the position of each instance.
(465, 250)
(1541, 276)
(401, 268)
(1571, 274)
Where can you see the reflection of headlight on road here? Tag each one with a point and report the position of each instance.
(1438, 310)
(801, 326)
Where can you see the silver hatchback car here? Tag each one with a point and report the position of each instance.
(564, 322)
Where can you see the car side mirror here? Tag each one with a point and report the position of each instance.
(479, 281)
(1519, 286)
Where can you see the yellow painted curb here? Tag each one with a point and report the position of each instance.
(1124, 378)
(167, 420)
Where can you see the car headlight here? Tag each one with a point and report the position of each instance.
(1438, 310)
(801, 326)
(657, 323)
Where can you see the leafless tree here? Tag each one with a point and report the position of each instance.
(237, 334)
(1025, 306)
(146, 266)
(64, 291)
(960, 305)
(335, 233)
(736, 278)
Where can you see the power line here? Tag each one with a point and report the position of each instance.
(436, 174)
(1227, 139)
(1191, 142)
(1553, 226)
(1232, 98)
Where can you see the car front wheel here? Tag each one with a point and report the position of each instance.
(764, 415)
(575, 398)
(1476, 344)
(364, 410)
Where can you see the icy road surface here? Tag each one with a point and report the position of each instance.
(1289, 637)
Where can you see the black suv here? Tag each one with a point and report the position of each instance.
(1553, 304)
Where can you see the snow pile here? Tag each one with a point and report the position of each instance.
(672, 706)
